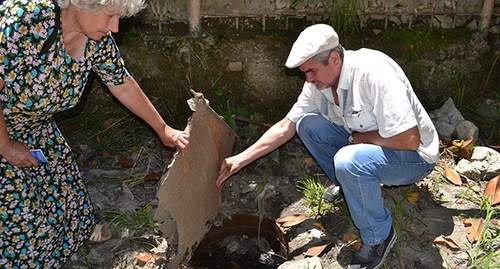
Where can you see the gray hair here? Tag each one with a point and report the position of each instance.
(126, 8)
(323, 56)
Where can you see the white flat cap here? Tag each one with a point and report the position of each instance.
(313, 40)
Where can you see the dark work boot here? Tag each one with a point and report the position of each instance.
(372, 256)
(333, 194)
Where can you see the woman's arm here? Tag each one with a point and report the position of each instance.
(15, 152)
(131, 95)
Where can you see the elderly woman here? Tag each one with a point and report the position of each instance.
(47, 50)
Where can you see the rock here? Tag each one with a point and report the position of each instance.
(451, 112)
(312, 262)
(450, 124)
(483, 164)
(444, 129)
(447, 23)
(467, 130)
(472, 25)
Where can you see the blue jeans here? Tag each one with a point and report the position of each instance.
(359, 170)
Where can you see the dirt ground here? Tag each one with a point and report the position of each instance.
(268, 188)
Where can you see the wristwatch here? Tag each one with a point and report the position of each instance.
(350, 140)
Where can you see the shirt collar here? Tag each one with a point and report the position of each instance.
(344, 72)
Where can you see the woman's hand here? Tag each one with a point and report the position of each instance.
(175, 138)
(18, 154)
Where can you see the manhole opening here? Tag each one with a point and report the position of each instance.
(239, 243)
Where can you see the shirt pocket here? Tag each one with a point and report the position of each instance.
(361, 121)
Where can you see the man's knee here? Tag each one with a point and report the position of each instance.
(348, 161)
(305, 124)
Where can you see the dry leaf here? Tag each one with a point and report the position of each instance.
(467, 222)
(125, 162)
(317, 248)
(144, 257)
(493, 191)
(414, 236)
(154, 177)
(235, 265)
(462, 149)
(308, 161)
(108, 123)
(353, 240)
(350, 237)
(412, 197)
(377, 31)
(474, 231)
(446, 241)
(452, 175)
(319, 225)
(292, 220)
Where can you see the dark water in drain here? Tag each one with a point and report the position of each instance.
(245, 255)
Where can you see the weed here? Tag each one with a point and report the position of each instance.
(471, 196)
(495, 126)
(294, 4)
(401, 219)
(458, 98)
(341, 14)
(313, 192)
(159, 12)
(103, 134)
(224, 109)
(413, 48)
(132, 220)
(484, 253)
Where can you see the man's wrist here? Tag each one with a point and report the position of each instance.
(350, 140)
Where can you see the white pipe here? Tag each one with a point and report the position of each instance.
(194, 17)
(486, 14)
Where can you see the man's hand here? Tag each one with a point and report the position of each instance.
(18, 154)
(229, 166)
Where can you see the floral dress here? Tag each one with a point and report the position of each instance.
(45, 211)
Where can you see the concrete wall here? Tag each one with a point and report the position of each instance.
(441, 13)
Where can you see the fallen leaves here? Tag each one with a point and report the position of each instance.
(289, 221)
(309, 161)
(446, 241)
(412, 197)
(319, 225)
(317, 248)
(473, 232)
(353, 240)
(144, 257)
(153, 177)
(492, 191)
(292, 220)
(462, 148)
(452, 175)
(126, 162)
